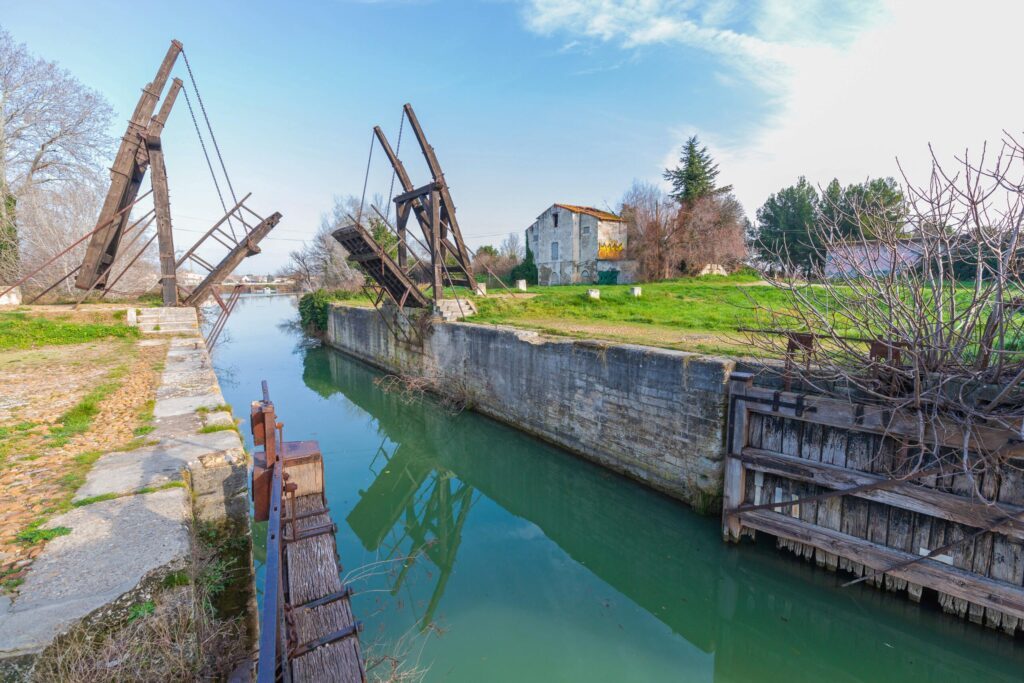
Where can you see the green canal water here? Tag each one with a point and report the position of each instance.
(534, 565)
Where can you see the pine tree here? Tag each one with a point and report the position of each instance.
(695, 176)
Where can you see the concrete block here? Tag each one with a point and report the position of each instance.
(594, 293)
(635, 292)
(521, 285)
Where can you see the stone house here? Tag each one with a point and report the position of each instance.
(579, 244)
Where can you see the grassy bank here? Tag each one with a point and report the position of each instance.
(697, 314)
(26, 329)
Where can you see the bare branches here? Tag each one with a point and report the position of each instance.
(921, 309)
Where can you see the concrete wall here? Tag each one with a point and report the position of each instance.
(655, 415)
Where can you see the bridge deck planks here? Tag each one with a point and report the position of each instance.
(312, 573)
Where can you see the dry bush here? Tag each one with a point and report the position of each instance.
(176, 636)
(923, 317)
(412, 388)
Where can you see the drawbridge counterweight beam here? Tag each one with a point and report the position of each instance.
(126, 176)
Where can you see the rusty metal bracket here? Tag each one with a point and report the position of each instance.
(342, 634)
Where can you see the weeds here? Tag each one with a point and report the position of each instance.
(33, 533)
(210, 429)
(77, 420)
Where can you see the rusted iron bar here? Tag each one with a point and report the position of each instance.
(216, 225)
(73, 245)
(270, 658)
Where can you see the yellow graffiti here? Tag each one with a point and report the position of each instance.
(610, 251)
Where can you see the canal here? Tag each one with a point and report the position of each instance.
(529, 564)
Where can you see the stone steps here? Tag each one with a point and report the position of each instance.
(181, 320)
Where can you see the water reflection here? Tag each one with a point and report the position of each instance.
(426, 503)
(756, 613)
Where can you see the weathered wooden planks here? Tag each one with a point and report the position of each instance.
(784, 447)
(313, 574)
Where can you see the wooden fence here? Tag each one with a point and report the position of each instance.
(786, 446)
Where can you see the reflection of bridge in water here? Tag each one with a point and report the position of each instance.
(429, 506)
(763, 616)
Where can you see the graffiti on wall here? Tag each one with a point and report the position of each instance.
(610, 250)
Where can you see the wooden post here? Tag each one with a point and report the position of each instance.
(735, 474)
(436, 257)
(126, 175)
(459, 252)
(165, 235)
(400, 228)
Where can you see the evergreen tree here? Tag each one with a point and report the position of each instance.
(527, 270)
(695, 176)
(786, 230)
(862, 209)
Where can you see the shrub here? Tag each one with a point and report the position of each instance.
(527, 270)
(314, 307)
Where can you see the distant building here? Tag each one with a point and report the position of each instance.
(188, 279)
(579, 244)
(870, 257)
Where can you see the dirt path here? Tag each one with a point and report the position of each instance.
(647, 335)
(42, 460)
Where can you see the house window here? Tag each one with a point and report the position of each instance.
(586, 231)
(554, 217)
(554, 251)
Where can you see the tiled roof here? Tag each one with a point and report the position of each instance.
(596, 213)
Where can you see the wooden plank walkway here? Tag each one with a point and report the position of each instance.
(312, 572)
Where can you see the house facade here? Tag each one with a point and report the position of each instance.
(579, 245)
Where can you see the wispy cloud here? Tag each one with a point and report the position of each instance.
(853, 85)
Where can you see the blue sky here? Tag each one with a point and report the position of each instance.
(541, 101)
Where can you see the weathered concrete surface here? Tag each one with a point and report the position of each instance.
(654, 414)
(115, 545)
(112, 546)
(153, 465)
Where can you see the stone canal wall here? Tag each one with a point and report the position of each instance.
(655, 415)
(134, 521)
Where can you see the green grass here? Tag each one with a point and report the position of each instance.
(706, 304)
(223, 407)
(77, 419)
(112, 496)
(19, 330)
(141, 609)
(33, 533)
(210, 429)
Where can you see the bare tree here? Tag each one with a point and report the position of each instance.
(654, 231)
(51, 219)
(512, 249)
(923, 316)
(53, 139)
(711, 233)
(321, 263)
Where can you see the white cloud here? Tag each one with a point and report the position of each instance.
(851, 89)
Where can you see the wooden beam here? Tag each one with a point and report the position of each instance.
(942, 577)
(461, 255)
(126, 175)
(904, 495)
(165, 235)
(864, 417)
(248, 247)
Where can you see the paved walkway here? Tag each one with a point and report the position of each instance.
(139, 527)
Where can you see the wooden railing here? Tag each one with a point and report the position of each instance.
(272, 613)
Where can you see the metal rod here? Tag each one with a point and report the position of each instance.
(73, 245)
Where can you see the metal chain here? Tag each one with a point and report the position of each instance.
(209, 164)
(213, 138)
(366, 179)
(394, 171)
